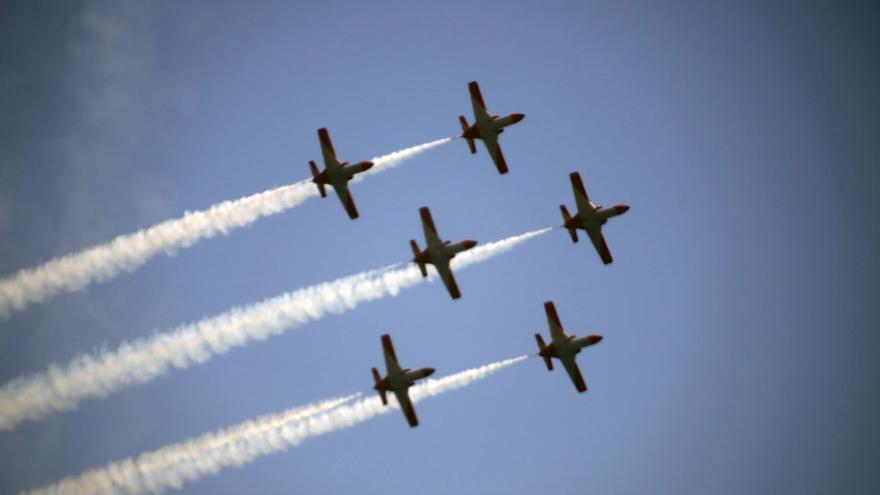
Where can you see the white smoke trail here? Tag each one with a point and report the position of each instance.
(127, 252)
(98, 375)
(191, 460)
(117, 477)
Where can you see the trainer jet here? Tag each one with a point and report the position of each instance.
(438, 253)
(336, 173)
(398, 381)
(589, 218)
(564, 347)
(487, 127)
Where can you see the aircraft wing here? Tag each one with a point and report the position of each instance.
(595, 233)
(448, 278)
(574, 373)
(431, 236)
(556, 331)
(406, 406)
(494, 149)
(341, 188)
(330, 161)
(481, 114)
(580, 193)
(391, 363)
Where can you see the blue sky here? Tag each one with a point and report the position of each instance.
(739, 315)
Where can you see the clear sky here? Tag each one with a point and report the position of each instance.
(739, 316)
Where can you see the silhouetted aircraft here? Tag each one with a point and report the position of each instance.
(564, 347)
(438, 253)
(487, 127)
(336, 173)
(398, 381)
(589, 218)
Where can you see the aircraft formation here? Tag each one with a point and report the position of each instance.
(34, 396)
(589, 217)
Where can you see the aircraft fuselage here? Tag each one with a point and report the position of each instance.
(344, 173)
(594, 215)
(444, 253)
(403, 380)
(492, 127)
(563, 349)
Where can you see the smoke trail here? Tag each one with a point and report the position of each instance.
(117, 477)
(191, 460)
(128, 252)
(97, 375)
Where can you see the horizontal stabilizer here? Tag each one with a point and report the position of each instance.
(378, 379)
(542, 347)
(567, 218)
(416, 252)
(315, 172)
(464, 128)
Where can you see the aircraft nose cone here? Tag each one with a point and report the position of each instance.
(428, 371)
(595, 339)
(367, 165)
(470, 243)
(518, 116)
(621, 209)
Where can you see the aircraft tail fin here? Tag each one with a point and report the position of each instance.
(542, 347)
(416, 253)
(464, 127)
(566, 217)
(314, 167)
(378, 379)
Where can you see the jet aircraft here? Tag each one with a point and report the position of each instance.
(487, 127)
(564, 347)
(438, 253)
(589, 218)
(398, 381)
(336, 173)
